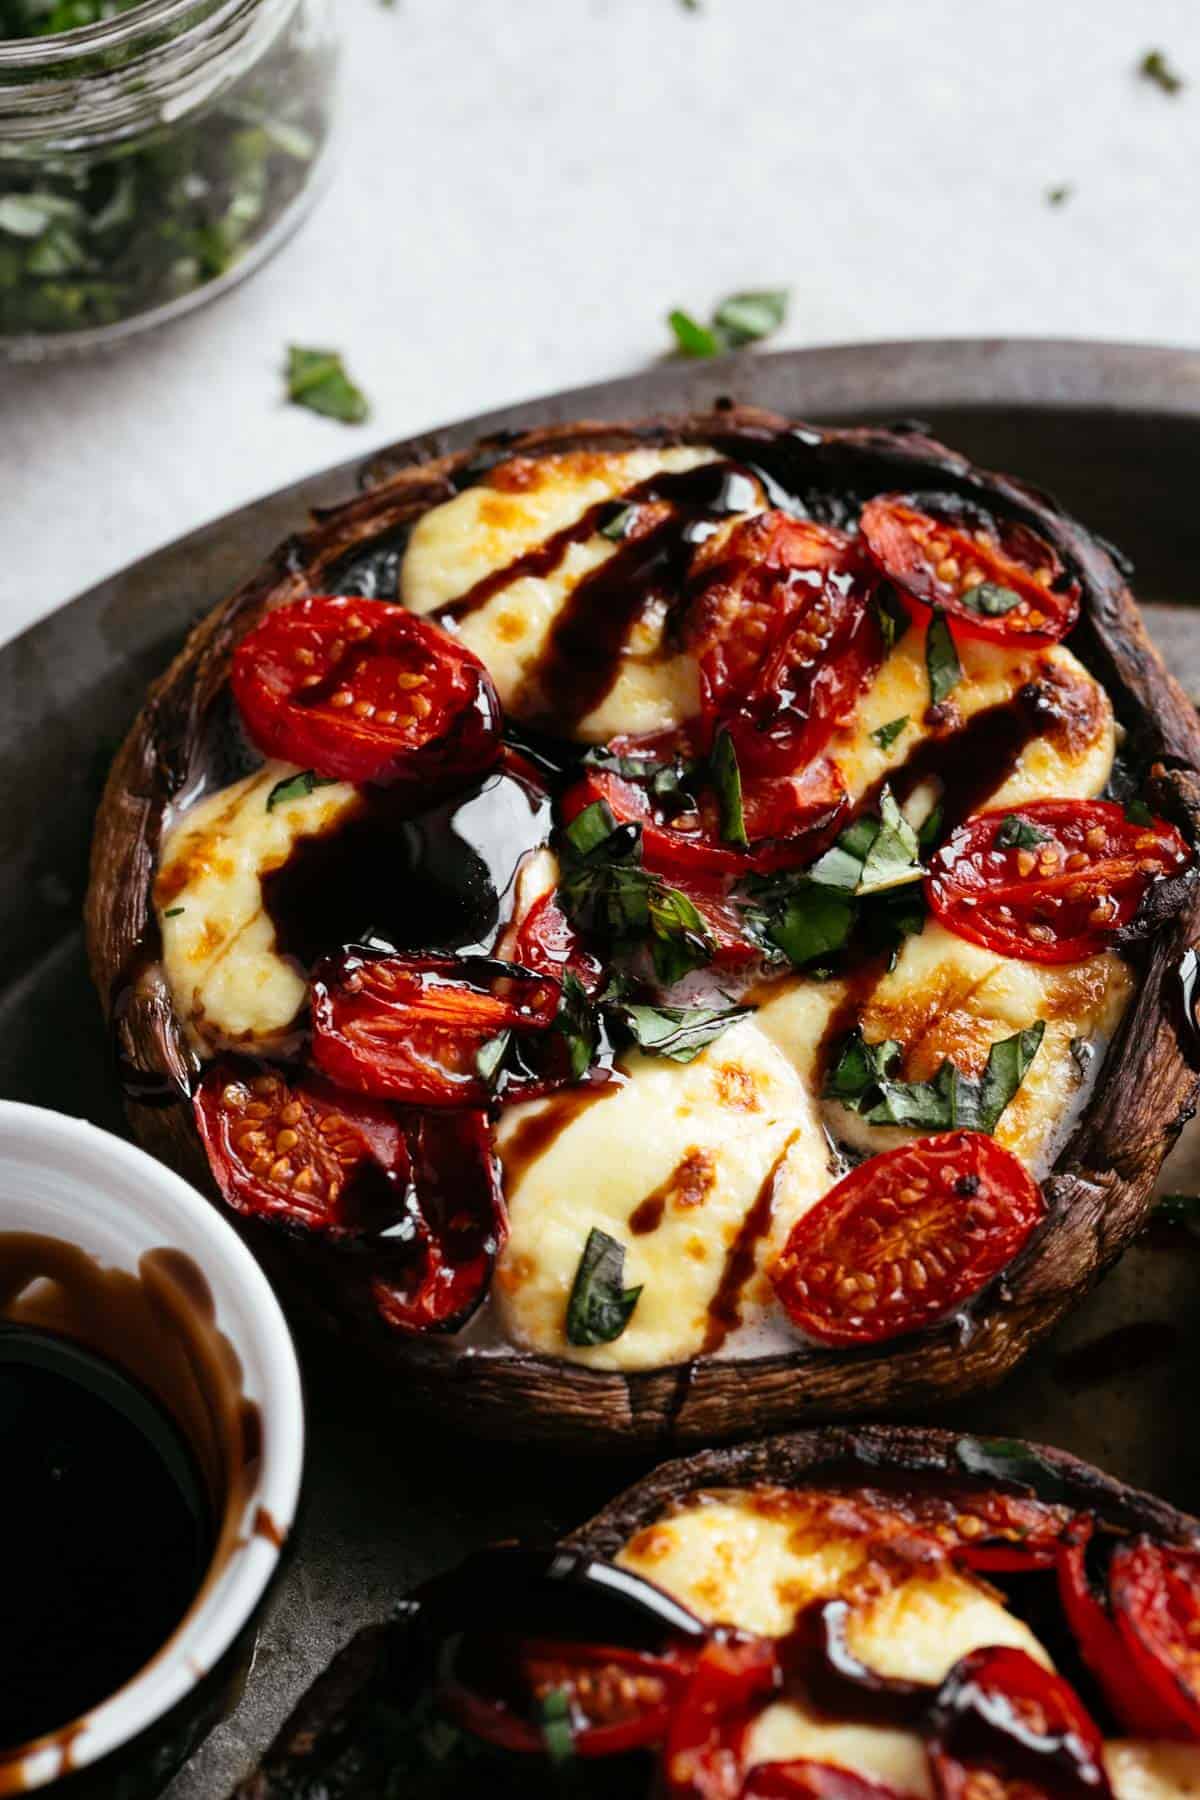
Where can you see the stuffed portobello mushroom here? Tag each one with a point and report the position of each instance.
(837, 1615)
(665, 929)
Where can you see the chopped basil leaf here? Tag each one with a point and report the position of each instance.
(861, 1078)
(886, 735)
(577, 1022)
(727, 783)
(893, 858)
(680, 1032)
(891, 615)
(1008, 1459)
(318, 380)
(692, 338)
(745, 318)
(600, 1305)
(666, 781)
(813, 922)
(931, 828)
(1138, 813)
(681, 940)
(554, 1724)
(887, 918)
(1155, 67)
(1016, 833)
(173, 912)
(590, 828)
(990, 597)
(941, 659)
(620, 525)
(490, 1055)
(1058, 196)
(296, 787)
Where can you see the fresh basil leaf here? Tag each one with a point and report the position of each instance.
(991, 598)
(1008, 1459)
(1138, 813)
(681, 941)
(859, 1067)
(887, 918)
(576, 1020)
(891, 615)
(318, 380)
(296, 787)
(589, 828)
(1007, 1066)
(941, 659)
(918, 1105)
(29, 215)
(1155, 67)
(930, 829)
(173, 912)
(680, 1032)
(862, 1079)
(813, 922)
(745, 318)
(893, 858)
(886, 735)
(667, 782)
(692, 338)
(490, 1055)
(600, 1306)
(620, 525)
(554, 1724)
(1058, 196)
(1016, 833)
(727, 784)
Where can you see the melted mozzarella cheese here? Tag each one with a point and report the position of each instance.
(488, 527)
(691, 1146)
(1071, 757)
(949, 998)
(787, 1731)
(1153, 1770)
(232, 988)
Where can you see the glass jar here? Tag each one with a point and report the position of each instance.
(150, 161)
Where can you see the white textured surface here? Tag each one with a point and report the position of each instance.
(526, 186)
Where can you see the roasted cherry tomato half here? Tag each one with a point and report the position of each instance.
(906, 1237)
(789, 820)
(411, 1028)
(361, 690)
(1155, 1594)
(301, 1152)
(703, 1755)
(454, 1229)
(1000, 1714)
(547, 942)
(780, 620)
(616, 1699)
(804, 1780)
(1052, 881)
(997, 578)
(1101, 1645)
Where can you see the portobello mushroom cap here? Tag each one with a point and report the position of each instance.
(1098, 1192)
(329, 1739)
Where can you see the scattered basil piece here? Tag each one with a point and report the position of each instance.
(990, 597)
(886, 919)
(692, 338)
(590, 828)
(871, 854)
(1058, 196)
(680, 1032)
(1138, 813)
(1155, 67)
(296, 787)
(318, 380)
(740, 319)
(554, 1724)
(667, 782)
(861, 1078)
(930, 829)
(604, 886)
(1008, 1459)
(576, 1021)
(173, 912)
(620, 525)
(859, 1067)
(681, 940)
(891, 615)
(600, 1306)
(490, 1056)
(886, 735)
(727, 783)
(812, 923)
(1007, 1066)
(941, 659)
(1016, 833)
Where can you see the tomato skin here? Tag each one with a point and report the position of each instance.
(1000, 1714)
(340, 1172)
(973, 1207)
(608, 1718)
(780, 623)
(304, 676)
(1155, 1594)
(409, 1028)
(547, 942)
(928, 553)
(456, 1226)
(732, 1680)
(1133, 1702)
(789, 819)
(1062, 899)
(802, 1779)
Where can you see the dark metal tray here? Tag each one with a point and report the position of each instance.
(1113, 431)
